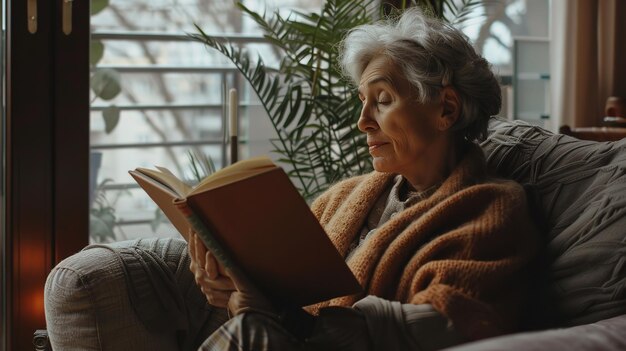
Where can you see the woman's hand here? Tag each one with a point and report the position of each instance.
(246, 298)
(209, 274)
(222, 287)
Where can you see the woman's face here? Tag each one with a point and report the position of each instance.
(402, 134)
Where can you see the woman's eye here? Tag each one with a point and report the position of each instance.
(384, 99)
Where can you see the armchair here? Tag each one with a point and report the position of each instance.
(577, 191)
(106, 297)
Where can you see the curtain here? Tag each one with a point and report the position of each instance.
(588, 59)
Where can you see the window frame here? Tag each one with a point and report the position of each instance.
(46, 158)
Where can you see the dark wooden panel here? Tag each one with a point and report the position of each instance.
(47, 131)
(29, 172)
(71, 133)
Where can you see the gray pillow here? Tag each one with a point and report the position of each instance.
(577, 191)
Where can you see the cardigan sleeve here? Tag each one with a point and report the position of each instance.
(395, 326)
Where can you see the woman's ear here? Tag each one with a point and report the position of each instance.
(451, 108)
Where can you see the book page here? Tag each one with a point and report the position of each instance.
(238, 171)
(167, 178)
(165, 198)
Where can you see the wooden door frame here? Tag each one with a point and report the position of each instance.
(47, 156)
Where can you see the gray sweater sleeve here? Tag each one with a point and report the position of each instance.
(396, 326)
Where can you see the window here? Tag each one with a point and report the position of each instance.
(170, 102)
(495, 24)
(494, 27)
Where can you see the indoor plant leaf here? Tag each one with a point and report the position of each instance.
(98, 5)
(111, 115)
(105, 83)
(101, 227)
(96, 51)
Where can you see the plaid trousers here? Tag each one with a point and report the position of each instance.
(336, 329)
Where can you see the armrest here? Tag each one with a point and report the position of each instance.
(137, 295)
(607, 335)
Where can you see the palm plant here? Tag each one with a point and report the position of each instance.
(452, 11)
(312, 108)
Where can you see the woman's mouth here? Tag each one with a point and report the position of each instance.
(374, 146)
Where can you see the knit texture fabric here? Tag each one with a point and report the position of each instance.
(464, 249)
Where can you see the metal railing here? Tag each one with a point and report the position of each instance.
(224, 71)
(164, 36)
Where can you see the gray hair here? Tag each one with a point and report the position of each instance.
(432, 55)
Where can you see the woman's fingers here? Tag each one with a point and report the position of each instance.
(220, 283)
(218, 299)
(246, 295)
(239, 283)
(217, 291)
(200, 251)
(211, 266)
(209, 274)
(240, 300)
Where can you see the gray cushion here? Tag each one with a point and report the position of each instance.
(577, 189)
(606, 335)
(129, 295)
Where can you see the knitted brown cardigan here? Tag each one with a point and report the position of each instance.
(464, 249)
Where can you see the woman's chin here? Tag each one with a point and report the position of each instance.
(381, 165)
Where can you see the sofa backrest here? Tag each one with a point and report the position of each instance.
(577, 190)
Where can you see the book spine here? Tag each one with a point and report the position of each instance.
(207, 238)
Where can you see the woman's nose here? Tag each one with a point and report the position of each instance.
(366, 122)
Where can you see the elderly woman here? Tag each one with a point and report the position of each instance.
(438, 245)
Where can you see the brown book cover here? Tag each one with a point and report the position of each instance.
(261, 225)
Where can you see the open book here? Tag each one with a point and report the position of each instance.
(254, 221)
